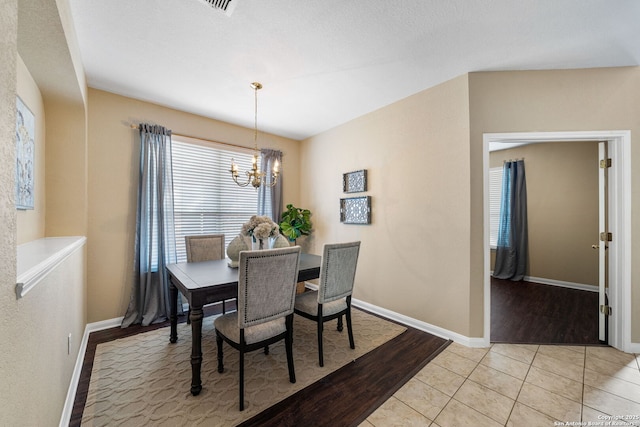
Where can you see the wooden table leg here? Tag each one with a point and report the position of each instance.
(196, 349)
(173, 314)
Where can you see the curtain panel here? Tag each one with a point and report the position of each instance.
(270, 198)
(155, 239)
(512, 253)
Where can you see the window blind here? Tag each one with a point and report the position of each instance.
(495, 197)
(206, 199)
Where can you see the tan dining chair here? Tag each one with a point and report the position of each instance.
(204, 247)
(333, 297)
(266, 294)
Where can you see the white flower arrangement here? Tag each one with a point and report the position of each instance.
(260, 227)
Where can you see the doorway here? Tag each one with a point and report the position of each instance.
(556, 301)
(619, 207)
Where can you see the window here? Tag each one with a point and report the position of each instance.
(495, 196)
(264, 204)
(206, 200)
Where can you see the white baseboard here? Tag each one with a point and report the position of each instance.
(563, 284)
(417, 324)
(634, 347)
(103, 324)
(75, 377)
(423, 326)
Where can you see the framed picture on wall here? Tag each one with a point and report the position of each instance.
(25, 152)
(355, 210)
(354, 182)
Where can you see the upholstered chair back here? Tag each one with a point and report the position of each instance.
(266, 284)
(338, 271)
(205, 247)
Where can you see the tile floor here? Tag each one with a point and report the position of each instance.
(518, 385)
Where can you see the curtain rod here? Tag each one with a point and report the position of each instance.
(202, 139)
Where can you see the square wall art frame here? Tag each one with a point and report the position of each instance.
(25, 153)
(355, 210)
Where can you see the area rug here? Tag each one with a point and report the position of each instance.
(144, 380)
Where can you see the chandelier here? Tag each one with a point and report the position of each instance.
(255, 176)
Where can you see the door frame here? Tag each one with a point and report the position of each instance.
(619, 187)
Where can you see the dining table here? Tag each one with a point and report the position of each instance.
(209, 282)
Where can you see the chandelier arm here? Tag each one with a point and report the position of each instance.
(274, 179)
(235, 179)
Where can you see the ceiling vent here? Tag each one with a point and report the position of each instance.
(225, 6)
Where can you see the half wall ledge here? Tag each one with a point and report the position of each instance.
(36, 259)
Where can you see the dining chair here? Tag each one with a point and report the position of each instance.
(333, 297)
(204, 247)
(266, 295)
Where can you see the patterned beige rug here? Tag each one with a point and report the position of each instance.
(144, 380)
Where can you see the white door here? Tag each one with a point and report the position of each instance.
(602, 241)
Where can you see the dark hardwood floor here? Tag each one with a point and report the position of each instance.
(532, 313)
(349, 395)
(343, 398)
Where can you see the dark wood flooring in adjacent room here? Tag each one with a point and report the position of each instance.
(343, 398)
(532, 313)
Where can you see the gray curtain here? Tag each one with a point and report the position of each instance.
(155, 243)
(512, 252)
(272, 204)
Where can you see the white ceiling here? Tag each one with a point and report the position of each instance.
(323, 63)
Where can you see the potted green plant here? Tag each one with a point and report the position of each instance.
(295, 222)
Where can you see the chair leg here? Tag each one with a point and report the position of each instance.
(241, 385)
(320, 327)
(219, 345)
(288, 342)
(224, 310)
(349, 329)
(266, 350)
(340, 324)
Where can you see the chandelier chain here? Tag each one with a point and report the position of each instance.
(255, 115)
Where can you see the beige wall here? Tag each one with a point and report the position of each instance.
(562, 100)
(31, 222)
(423, 256)
(414, 256)
(66, 167)
(562, 208)
(36, 366)
(113, 177)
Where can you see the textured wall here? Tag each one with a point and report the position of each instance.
(35, 364)
(8, 55)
